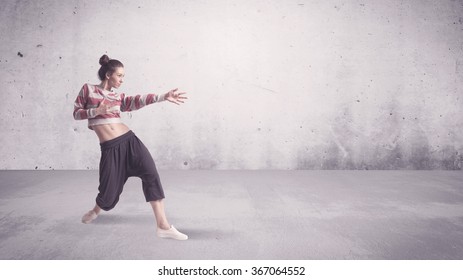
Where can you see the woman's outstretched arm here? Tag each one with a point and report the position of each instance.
(135, 102)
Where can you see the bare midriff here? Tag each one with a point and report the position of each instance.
(106, 132)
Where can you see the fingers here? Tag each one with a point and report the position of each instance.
(178, 101)
(175, 91)
(179, 95)
(175, 102)
(176, 97)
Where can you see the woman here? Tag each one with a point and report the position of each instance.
(123, 155)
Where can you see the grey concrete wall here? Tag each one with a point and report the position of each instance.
(272, 84)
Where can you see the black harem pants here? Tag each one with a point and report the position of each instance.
(123, 157)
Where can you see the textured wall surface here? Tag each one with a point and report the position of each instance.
(272, 84)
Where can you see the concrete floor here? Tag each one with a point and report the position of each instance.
(307, 215)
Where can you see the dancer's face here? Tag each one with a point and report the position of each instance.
(116, 78)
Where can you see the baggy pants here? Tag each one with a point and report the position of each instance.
(123, 157)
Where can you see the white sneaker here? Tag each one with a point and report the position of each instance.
(89, 217)
(171, 233)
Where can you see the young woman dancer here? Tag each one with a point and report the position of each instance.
(123, 155)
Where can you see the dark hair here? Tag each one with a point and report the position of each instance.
(108, 66)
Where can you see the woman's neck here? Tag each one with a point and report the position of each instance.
(105, 85)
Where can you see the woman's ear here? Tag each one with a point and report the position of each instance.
(107, 75)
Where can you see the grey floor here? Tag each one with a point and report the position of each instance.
(307, 215)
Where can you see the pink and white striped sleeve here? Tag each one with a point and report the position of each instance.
(132, 103)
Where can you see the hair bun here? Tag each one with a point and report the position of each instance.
(104, 59)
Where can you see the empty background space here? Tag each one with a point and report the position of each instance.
(272, 84)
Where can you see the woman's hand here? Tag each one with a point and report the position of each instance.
(107, 107)
(175, 97)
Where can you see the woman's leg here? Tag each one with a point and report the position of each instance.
(113, 175)
(164, 229)
(145, 168)
(160, 214)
